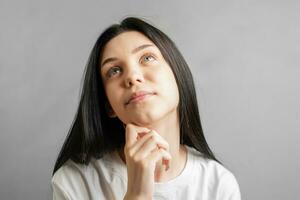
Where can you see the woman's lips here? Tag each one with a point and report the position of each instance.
(139, 96)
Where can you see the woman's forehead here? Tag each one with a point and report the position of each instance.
(126, 42)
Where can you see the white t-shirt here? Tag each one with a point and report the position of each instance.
(106, 178)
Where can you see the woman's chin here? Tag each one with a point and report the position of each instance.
(144, 120)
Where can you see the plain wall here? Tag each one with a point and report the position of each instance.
(244, 56)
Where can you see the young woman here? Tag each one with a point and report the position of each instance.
(137, 132)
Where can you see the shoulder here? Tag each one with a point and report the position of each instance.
(84, 181)
(107, 165)
(211, 168)
(69, 179)
(215, 176)
(68, 172)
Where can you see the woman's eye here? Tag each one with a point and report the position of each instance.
(148, 58)
(112, 71)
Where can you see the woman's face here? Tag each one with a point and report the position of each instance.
(131, 65)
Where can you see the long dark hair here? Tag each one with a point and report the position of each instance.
(93, 133)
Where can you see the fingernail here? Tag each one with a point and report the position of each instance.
(166, 163)
(167, 167)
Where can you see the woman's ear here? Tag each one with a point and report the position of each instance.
(110, 112)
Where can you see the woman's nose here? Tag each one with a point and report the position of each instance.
(134, 76)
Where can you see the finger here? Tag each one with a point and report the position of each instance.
(146, 146)
(160, 154)
(140, 141)
(143, 149)
(131, 133)
(161, 142)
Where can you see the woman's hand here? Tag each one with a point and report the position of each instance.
(143, 149)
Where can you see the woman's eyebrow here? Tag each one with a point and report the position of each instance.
(139, 48)
(135, 50)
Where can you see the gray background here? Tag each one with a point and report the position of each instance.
(244, 56)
